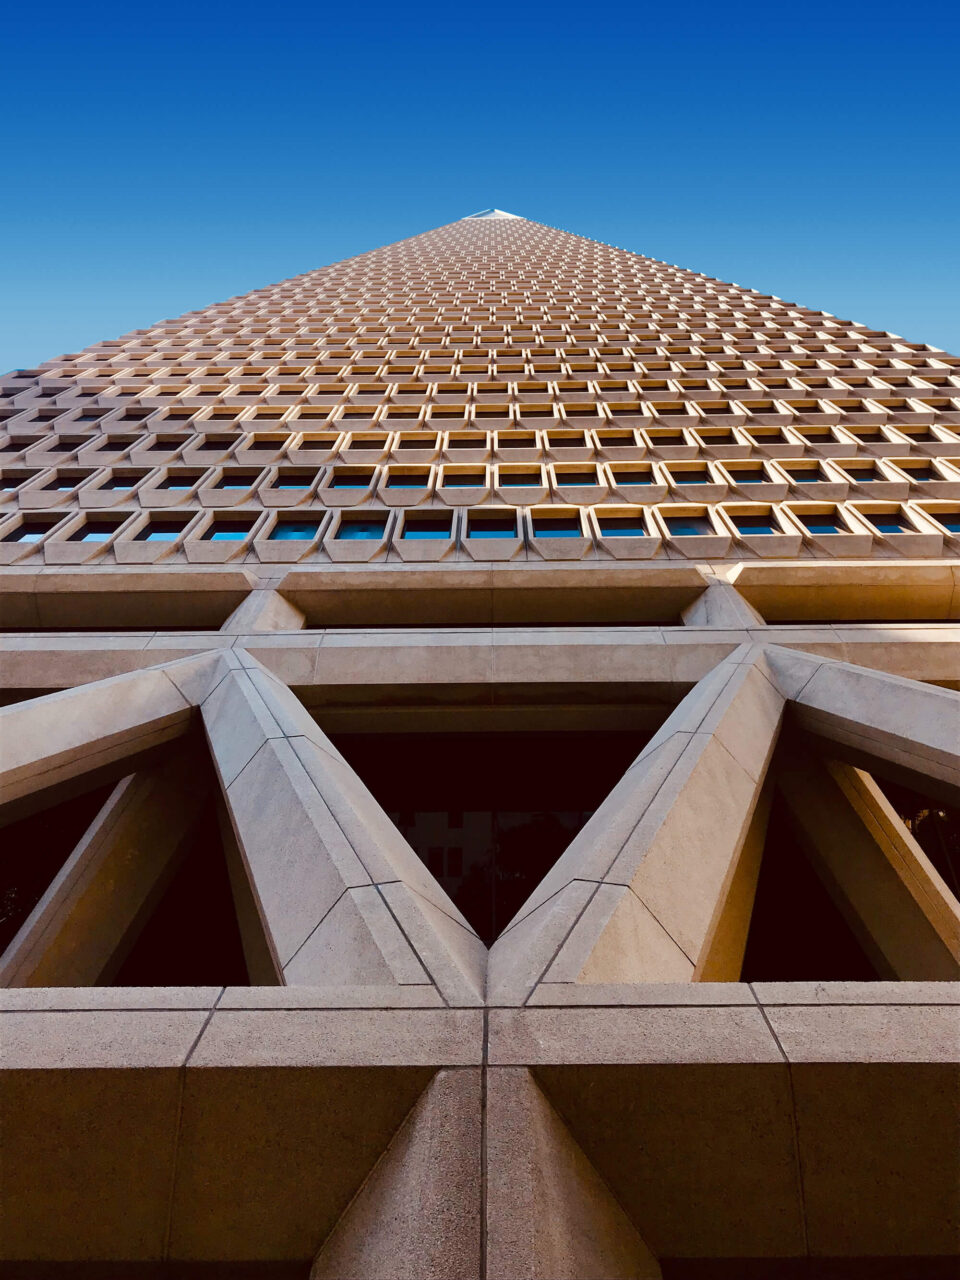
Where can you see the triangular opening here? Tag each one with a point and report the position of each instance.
(34, 850)
(797, 932)
(189, 936)
(490, 813)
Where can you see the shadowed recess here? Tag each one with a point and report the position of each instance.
(191, 937)
(490, 813)
(808, 1268)
(797, 932)
(34, 850)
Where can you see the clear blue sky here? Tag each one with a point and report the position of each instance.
(163, 157)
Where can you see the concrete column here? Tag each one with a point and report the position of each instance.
(721, 605)
(549, 1215)
(417, 1217)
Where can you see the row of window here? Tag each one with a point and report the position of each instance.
(483, 373)
(319, 370)
(913, 528)
(777, 438)
(446, 409)
(649, 481)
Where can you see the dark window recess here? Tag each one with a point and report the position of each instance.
(191, 938)
(797, 933)
(492, 812)
(35, 849)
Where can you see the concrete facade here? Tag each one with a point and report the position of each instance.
(492, 480)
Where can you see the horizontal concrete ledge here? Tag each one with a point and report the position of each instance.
(47, 661)
(116, 1039)
(622, 995)
(662, 1023)
(772, 1034)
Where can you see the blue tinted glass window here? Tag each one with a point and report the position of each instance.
(360, 530)
(519, 478)
(227, 531)
(418, 480)
(462, 480)
(562, 527)
(689, 526)
(294, 530)
(633, 477)
(570, 478)
(425, 529)
(28, 533)
(160, 533)
(94, 531)
(622, 527)
(756, 524)
(501, 527)
(822, 524)
(890, 524)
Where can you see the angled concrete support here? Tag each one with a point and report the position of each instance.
(342, 897)
(76, 934)
(899, 907)
(636, 895)
(49, 741)
(871, 715)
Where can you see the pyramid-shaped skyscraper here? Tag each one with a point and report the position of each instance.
(480, 781)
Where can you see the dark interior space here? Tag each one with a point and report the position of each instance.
(797, 933)
(809, 1268)
(934, 826)
(34, 850)
(490, 813)
(191, 937)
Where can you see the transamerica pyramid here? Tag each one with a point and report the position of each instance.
(479, 779)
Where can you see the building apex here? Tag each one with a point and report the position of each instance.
(491, 213)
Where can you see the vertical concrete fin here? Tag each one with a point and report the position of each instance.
(721, 605)
(110, 878)
(638, 895)
(417, 1216)
(341, 895)
(263, 610)
(549, 1215)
